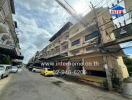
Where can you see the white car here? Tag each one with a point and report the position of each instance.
(4, 71)
(14, 69)
(37, 70)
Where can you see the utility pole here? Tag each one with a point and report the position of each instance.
(97, 25)
(108, 74)
(71, 11)
(106, 67)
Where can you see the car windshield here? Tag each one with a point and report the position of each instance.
(50, 69)
(38, 68)
(14, 67)
(1, 67)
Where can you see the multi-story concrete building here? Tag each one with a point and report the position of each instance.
(9, 42)
(83, 43)
(58, 44)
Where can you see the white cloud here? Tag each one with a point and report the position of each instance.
(29, 25)
(30, 32)
(39, 5)
(81, 7)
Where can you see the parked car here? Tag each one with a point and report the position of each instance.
(4, 71)
(19, 66)
(36, 69)
(30, 68)
(47, 72)
(14, 69)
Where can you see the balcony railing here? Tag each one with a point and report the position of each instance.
(63, 51)
(73, 54)
(90, 51)
(64, 40)
(7, 46)
(90, 28)
(57, 44)
(75, 47)
(90, 42)
(78, 32)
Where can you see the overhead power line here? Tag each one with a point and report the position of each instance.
(69, 8)
(72, 12)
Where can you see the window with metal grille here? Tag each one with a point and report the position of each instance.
(76, 42)
(91, 36)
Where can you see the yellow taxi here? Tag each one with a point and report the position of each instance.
(47, 72)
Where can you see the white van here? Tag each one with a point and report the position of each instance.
(4, 70)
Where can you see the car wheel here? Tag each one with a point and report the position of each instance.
(7, 75)
(43, 74)
(1, 77)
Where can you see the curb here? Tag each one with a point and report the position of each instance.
(77, 79)
(3, 83)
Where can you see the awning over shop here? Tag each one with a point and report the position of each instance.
(6, 49)
(55, 58)
(10, 50)
(18, 57)
(16, 62)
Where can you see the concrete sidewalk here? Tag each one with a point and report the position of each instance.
(83, 79)
(4, 82)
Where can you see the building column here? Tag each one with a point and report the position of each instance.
(108, 74)
(68, 67)
(83, 63)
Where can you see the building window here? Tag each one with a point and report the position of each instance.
(64, 47)
(91, 36)
(57, 49)
(76, 42)
(66, 37)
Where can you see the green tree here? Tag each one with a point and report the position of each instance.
(6, 60)
(128, 61)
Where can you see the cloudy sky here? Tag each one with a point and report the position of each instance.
(38, 20)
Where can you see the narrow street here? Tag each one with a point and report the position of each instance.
(32, 86)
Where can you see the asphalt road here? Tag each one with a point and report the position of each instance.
(26, 85)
